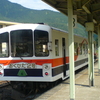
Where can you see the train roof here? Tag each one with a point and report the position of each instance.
(29, 26)
(20, 26)
(66, 32)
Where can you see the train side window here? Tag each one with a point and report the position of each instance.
(84, 49)
(56, 47)
(75, 48)
(80, 48)
(41, 43)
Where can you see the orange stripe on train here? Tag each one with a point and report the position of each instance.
(54, 62)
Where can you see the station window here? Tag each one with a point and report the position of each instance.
(75, 48)
(56, 47)
(1, 26)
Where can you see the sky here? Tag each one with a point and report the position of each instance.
(33, 4)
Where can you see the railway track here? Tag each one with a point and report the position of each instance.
(5, 91)
(4, 84)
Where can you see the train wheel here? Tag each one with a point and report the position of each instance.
(43, 86)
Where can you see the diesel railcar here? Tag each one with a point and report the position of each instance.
(38, 54)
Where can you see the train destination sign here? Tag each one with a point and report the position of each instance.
(22, 65)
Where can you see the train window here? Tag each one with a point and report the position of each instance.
(21, 43)
(80, 48)
(75, 48)
(84, 49)
(4, 44)
(41, 43)
(56, 47)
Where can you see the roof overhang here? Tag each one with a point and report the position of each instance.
(84, 9)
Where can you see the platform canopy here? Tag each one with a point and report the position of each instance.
(82, 8)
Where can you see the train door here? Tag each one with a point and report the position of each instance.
(64, 56)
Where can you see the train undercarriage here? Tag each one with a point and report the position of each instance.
(32, 87)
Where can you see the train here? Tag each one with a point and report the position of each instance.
(38, 54)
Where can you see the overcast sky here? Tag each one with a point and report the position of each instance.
(33, 4)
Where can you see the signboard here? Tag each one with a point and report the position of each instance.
(74, 21)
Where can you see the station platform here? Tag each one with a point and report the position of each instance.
(82, 89)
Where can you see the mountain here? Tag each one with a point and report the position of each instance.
(17, 13)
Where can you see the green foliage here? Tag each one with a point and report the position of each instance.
(15, 12)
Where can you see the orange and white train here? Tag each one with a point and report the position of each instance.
(38, 53)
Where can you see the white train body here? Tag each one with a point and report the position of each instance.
(39, 53)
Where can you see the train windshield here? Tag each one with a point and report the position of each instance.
(41, 41)
(4, 44)
(21, 43)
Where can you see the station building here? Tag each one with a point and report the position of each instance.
(7, 23)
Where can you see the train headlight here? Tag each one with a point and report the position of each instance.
(47, 70)
(46, 67)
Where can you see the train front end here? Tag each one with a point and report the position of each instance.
(24, 54)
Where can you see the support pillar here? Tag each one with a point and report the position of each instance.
(90, 29)
(91, 58)
(71, 50)
(99, 49)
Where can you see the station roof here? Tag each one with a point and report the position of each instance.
(82, 8)
(8, 23)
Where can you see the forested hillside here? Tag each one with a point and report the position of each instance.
(15, 12)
